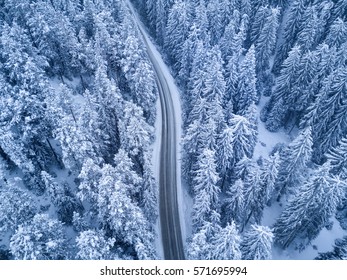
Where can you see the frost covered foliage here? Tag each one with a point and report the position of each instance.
(92, 245)
(41, 238)
(16, 207)
(77, 110)
(256, 244)
(241, 62)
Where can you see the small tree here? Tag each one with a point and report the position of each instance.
(93, 245)
(256, 243)
(42, 238)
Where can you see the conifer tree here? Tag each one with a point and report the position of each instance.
(42, 238)
(268, 176)
(266, 42)
(337, 33)
(93, 245)
(291, 29)
(206, 189)
(307, 37)
(254, 196)
(282, 91)
(295, 160)
(328, 124)
(226, 244)
(234, 209)
(246, 85)
(338, 158)
(256, 243)
(177, 29)
(242, 137)
(309, 209)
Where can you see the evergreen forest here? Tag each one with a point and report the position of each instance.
(263, 153)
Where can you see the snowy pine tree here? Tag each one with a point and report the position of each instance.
(309, 209)
(256, 243)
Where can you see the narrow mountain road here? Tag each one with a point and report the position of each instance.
(169, 212)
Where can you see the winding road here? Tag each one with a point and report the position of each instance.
(168, 203)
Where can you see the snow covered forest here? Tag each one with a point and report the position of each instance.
(263, 90)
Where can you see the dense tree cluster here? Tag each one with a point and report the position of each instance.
(77, 110)
(226, 57)
(77, 115)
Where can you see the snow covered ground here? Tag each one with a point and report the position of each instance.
(267, 140)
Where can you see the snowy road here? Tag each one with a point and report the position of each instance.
(169, 209)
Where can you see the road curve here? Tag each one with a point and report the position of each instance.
(168, 204)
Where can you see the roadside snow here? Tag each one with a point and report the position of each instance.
(181, 194)
(155, 169)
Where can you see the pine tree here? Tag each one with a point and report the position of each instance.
(55, 37)
(16, 207)
(309, 209)
(225, 153)
(242, 168)
(266, 42)
(42, 238)
(217, 18)
(340, 8)
(177, 29)
(308, 36)
(226, 244)
(119, 216)
(328, 124)
(205, 188)
(89, 185)
(242, 137)
(214, 85)
(201, 20)
(232, 78)
(282, 91)
(24, 126)
(337, 157)
(62, 197)
(189, 50)
(337, 33)
(106, 101)
(268, 176)
(134, 131)
(195, 80)
(295, 160)
(254, 197)
(199, 248)
(93, 245)
(306, 87)
(149, 197)
(261, 14)
(151, 14)
(231, 41)
(246, 85)
(124, 170)
(234, 209)
(162, 7)
(256, 243)
(291, 29)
